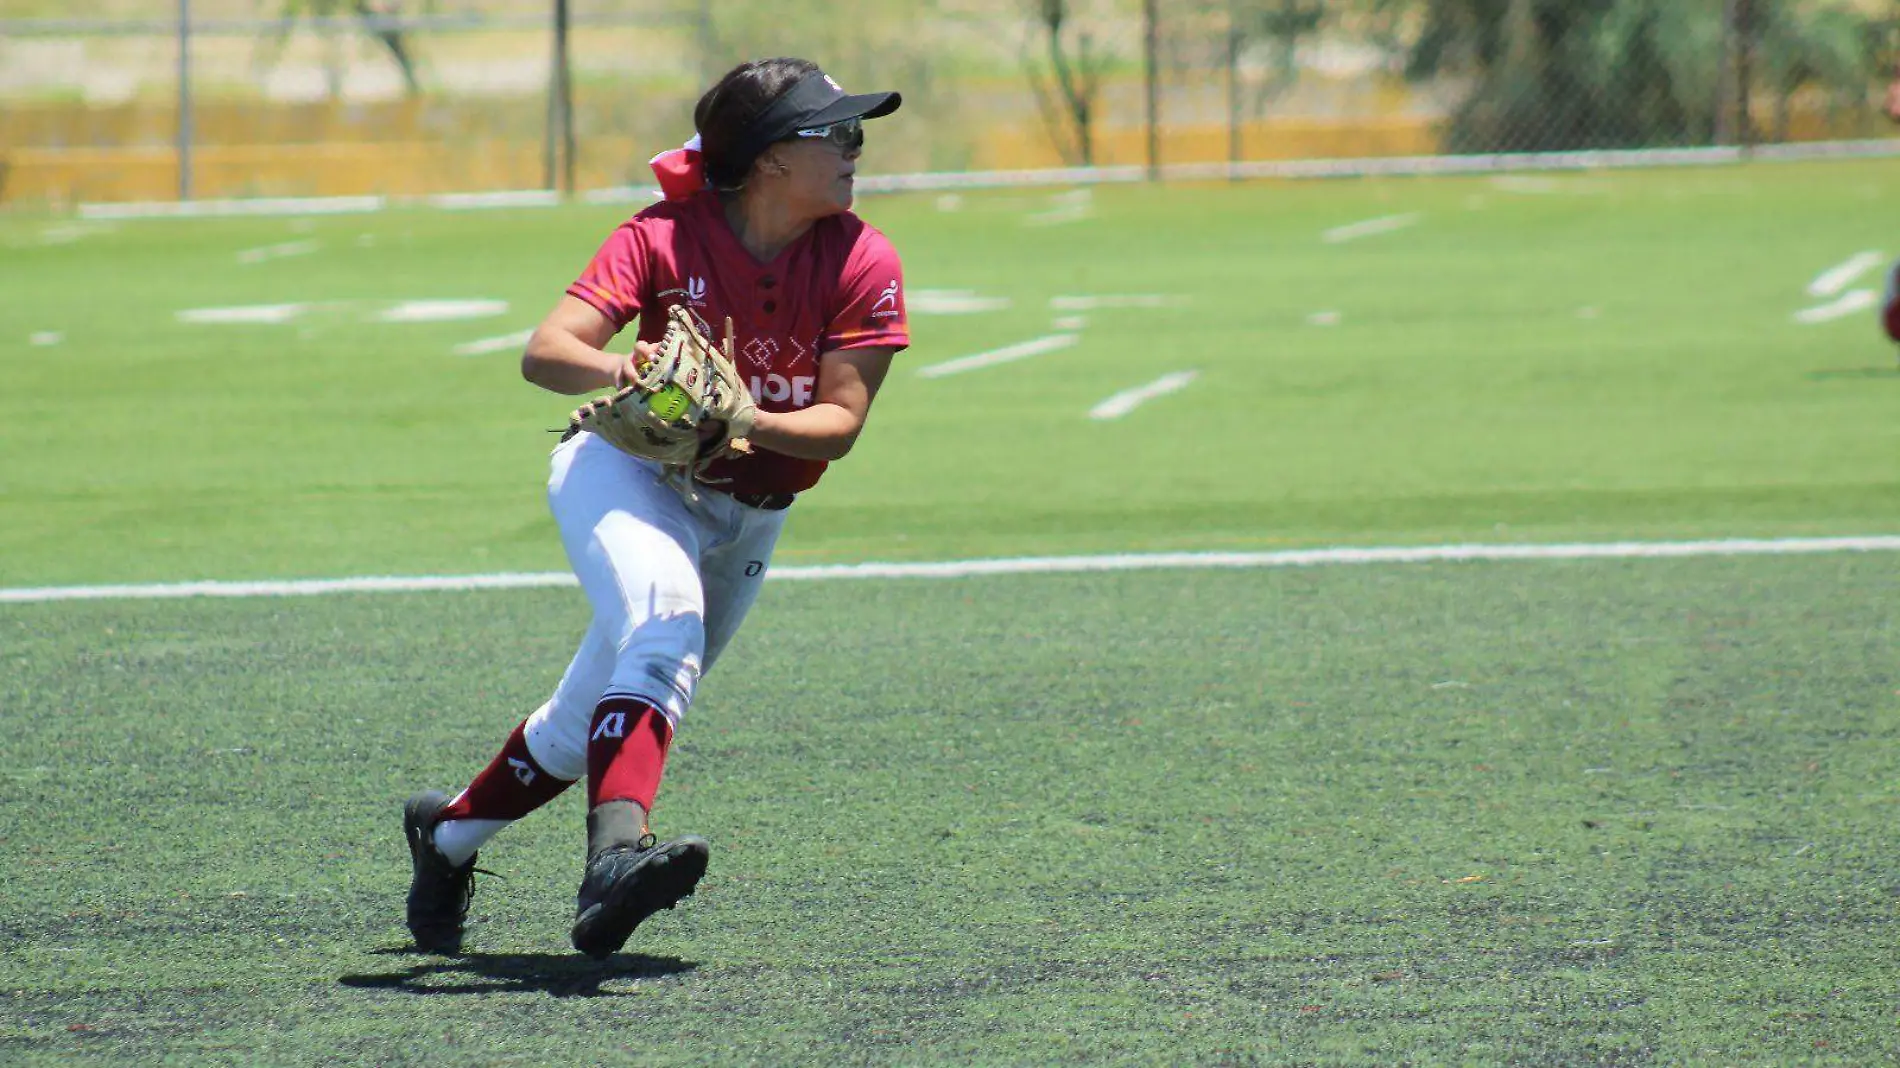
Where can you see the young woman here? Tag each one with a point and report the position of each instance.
(1890, 302)
(756, 226)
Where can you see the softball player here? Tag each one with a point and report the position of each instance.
(756, 227)
(1891, 299)
(1890, 303)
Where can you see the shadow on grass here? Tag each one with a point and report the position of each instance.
(564, 975)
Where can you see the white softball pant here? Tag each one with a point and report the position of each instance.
(670, 580)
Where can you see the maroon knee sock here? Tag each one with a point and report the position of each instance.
(626, 752)
(510, 787)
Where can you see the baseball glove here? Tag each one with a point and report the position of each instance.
(688, 407)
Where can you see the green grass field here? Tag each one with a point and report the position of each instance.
(1555, 812)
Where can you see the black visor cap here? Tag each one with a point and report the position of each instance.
(815, 100)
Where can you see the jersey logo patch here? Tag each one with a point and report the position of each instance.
(693, 292)
(886, 299)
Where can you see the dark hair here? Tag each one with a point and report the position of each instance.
(726, 113)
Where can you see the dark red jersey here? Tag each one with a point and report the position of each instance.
(839, 286)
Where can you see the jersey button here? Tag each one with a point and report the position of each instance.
(771, 306)
(767, 282)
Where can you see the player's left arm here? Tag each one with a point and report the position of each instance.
(861, 335)
(848, 380)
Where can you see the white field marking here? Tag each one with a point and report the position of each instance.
(949, 202)
(1534, 184)
(1384, 224)
(508, 198)
(1115, 300)
(1022, 350)
(1129, 399)
(1067, 213)
(1526, 183)
(243, 313)
(1069, 322)
(951, 302)
(1072, 206)
(486, 345)
(1028, 565)
(619, 194)
(43, 338)
(1850, 302)
(1838, 277)
(441, 311)
(1323, 318)
(278, 252)
(67, 233)
(199, 209)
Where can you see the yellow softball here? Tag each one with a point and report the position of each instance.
(669, 403)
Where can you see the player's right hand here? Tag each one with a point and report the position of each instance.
(628, 371)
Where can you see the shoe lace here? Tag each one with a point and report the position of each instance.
(466, 877)
(484, 871)
(461, 881)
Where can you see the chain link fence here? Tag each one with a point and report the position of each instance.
(151, 99)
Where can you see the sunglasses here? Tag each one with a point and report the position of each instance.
(848, 135)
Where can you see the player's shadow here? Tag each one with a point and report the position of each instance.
(563, 975)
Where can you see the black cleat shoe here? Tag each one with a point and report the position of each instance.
(438, 891)
(625, 885)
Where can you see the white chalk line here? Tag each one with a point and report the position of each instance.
(1025, 565)
(1114, 300)
(278, 252)
(1007, 354)
(1527, 183)
(951, 302)
(502, 343)
(1543, 185)
(1072, 206)
(1129, 399)
(243, 313)
(1852, 301)
(1832, 281)
(1384, 224)
(232, 206)
(67, 233)
(507, 198)
(408, 311)
(442, 311)
(1067, 213)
